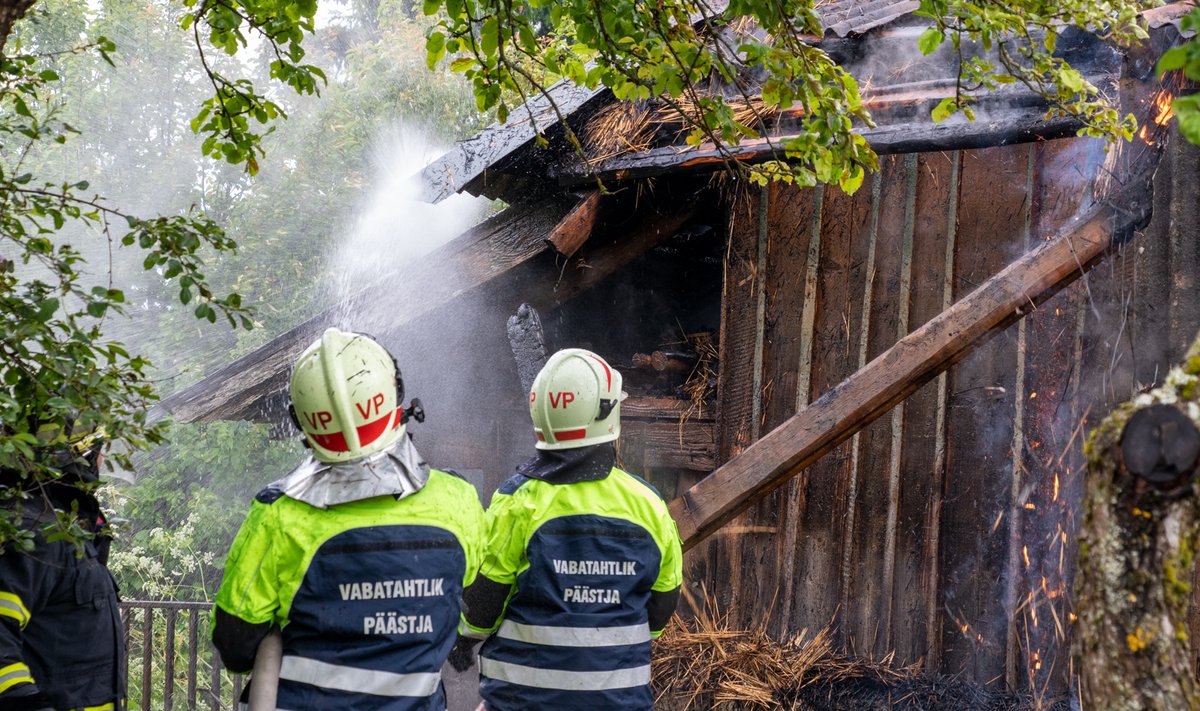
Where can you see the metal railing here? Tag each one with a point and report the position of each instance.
(172, 663)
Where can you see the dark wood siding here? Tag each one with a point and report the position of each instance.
(944, 531)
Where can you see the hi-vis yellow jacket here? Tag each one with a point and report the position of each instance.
(587, 553)
(367, 594)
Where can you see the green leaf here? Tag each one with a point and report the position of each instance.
(852, 180)
(930, 40)
(489, 36)
(1173, 58)
(1187, 113)
(944, 110)
(435, 49)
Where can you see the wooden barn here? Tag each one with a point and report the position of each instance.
(868, 410)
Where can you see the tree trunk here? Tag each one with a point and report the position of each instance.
(1139, 536)
(10, 12)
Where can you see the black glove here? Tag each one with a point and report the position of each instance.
(462, 655)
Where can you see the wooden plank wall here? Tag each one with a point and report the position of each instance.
(944, 531)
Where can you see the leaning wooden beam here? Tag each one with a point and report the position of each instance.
(914, 360)
(479, 257)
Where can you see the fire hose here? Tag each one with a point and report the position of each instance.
(264, 684)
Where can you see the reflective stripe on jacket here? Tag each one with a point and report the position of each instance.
(367, 593)
(583, 558)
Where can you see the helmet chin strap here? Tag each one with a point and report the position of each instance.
(415, 411)
(606, 408)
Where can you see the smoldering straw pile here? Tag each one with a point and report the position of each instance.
(702, 663)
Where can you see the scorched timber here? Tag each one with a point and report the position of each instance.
(916, 359)
(570, 234)
(1013, 127)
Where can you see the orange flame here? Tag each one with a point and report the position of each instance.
(1164, 103)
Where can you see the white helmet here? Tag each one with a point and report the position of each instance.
(347, 396)
(575, 401)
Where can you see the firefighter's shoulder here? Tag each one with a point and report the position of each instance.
(641, 484)
(452, 473)
(514, 482)
(270, 493)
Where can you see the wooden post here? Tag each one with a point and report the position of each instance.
(1138, 542)
(917, 358)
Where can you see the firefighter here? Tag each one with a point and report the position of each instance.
(359, 556)
(61, 640)
(582, 563)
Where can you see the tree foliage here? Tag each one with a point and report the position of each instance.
(662, 50)
(60, 370)
(682, 53)
(1003, 43)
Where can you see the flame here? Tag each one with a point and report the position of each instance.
(1025, 553)
(1164, 103)
(1055, 487)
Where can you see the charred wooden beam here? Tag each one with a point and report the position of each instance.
(528, 344)
(569, 235)
(1017, 126)
(917, 358)
(688, 444)
(469, 162)
(663, 408)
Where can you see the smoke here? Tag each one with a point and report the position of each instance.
(392, 228)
